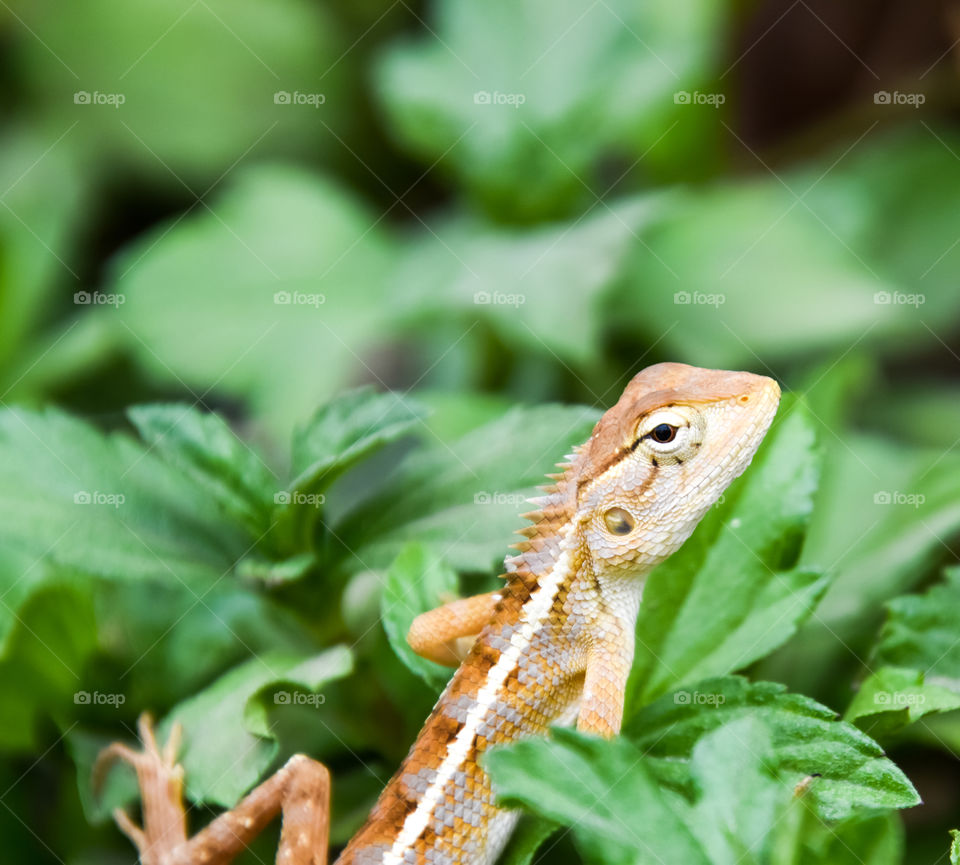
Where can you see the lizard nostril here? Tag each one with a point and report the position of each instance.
(745, 398)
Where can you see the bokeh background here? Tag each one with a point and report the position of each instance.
(249, 206)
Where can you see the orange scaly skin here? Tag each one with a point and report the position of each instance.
(578, 593)
(555, 645)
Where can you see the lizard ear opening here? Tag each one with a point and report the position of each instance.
(618, 521)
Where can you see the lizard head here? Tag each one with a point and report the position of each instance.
(660, 457)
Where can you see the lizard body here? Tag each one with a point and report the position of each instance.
(556, 644)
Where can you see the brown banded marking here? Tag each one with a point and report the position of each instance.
(457, 751)
(536, 578)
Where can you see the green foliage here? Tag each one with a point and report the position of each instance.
(543, 108)
(917, 662)
(193, 72)
(191, 517)
(849, 768)
(742, 770)
(464, 498)
(598, 788)
(415, 583)
(108, 505)
(744, 551)
(199, 508)
(893, 697)
(272, 251)
(921, 630)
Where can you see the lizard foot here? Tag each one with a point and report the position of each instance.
(300, 790)
(160, 778)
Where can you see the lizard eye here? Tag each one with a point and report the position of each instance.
(663, 433)
(618, 521)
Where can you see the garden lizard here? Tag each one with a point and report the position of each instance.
(553, 646)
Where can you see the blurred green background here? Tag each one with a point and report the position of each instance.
(249, 206)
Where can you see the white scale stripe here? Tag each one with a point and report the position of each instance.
(531, 617)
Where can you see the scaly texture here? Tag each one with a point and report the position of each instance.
(559, 644)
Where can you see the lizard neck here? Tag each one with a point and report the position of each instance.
(555, 526)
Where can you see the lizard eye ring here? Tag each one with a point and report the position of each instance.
(618, 521)
(667, 431)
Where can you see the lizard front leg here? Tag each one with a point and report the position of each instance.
(604, 685)
(436, 635)
(300, 790)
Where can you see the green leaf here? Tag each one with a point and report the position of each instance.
(227, 741)
(851, 771)
(879, 517)
(744, 552)
(468, 269)
(831, 240)
(921, 632)
(893, 697)
(106, 505)
(343, 433)
(417, 581)
(205, 449)
(41, 210)
(717, 306)
(170, 646)
(896, 502)
(868, 838)
(920, 662)
(114, 790)
(48, 632)
(464, 499)
(911, 224)
(529, 836)
(180, 122)
(955, 847)
(300, 266)
(346, 430)
(598, 787)
(733, 820)
(580, 85)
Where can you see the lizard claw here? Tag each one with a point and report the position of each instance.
(150, 757)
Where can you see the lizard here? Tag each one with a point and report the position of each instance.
(553, 646)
